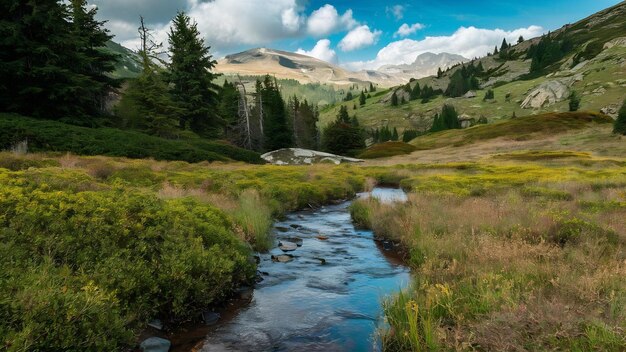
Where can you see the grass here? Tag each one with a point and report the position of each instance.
(387, 149)
(46, 135)
(523, 254)
(518, 129)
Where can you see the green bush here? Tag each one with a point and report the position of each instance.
(123, 257)
(44, 135)
(387, 149)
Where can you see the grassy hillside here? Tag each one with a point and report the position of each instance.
(520, 129)
(597, 73)
(46, 135)
(128, 62)
(603, 83)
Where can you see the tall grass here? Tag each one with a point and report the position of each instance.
(255, 217)
(535, 261)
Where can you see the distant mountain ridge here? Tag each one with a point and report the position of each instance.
(424, 65)
(306, 69)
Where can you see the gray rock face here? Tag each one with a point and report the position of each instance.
(155, 344)
(547, 93)
(298, 156)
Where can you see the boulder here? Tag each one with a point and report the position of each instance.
(282, 258)
(470, 95)
(298, 156)
(611, 110)
(155, 344)
(547, 93)
(287, 246)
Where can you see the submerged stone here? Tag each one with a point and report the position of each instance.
(155, 344)
(287, 246)
(282, 258)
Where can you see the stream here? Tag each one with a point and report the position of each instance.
(327, 297)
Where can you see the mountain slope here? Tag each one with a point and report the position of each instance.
(594, 66)
(424, 65)
(306, 69)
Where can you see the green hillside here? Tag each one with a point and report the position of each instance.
(593, 68)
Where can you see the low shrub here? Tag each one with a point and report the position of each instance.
(47, 135)
(387, 149)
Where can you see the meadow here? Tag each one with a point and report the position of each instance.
(92, 248)
(520, 251)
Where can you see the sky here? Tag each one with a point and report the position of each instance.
(363, 34)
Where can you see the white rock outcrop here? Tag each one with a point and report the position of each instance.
(298, 156)
(547, 93)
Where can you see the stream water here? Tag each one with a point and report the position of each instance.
(326, 298)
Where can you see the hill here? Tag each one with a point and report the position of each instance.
(592, 65)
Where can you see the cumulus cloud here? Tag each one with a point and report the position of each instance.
(397, 11)
(359, 37)
(322, 51)
(467, 41)
(405, 30)
(326, 20)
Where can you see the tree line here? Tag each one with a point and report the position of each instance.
(54, 64)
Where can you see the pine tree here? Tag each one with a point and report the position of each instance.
(276, 126)
(439, 73)
(394, 135)
(228, 109)
(191, 78)
(495, 52)
(95, 61)
(620, 124)
(504, 45)
(394, 99)
(49, 66)
(415, 92)
(520, 39)
(362, 99)
(574, 101)
(343, 138)
(489, 95)
(372, 88)
(147, 104)
(342, 115)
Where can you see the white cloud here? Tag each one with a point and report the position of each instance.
(358, 38)
(397, 11)
(225, 24)
(467, 41)
(321, 51)
(326, 20)
(406, 30)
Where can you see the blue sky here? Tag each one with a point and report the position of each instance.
(355, 34)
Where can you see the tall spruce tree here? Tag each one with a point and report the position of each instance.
(51, 65)
(362, 99)
(147, 103)
(191, 79)
(394, 99)
(276, 126)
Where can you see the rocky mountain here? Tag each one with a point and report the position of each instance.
(424, 65)
(305, 69)
(586, 58)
